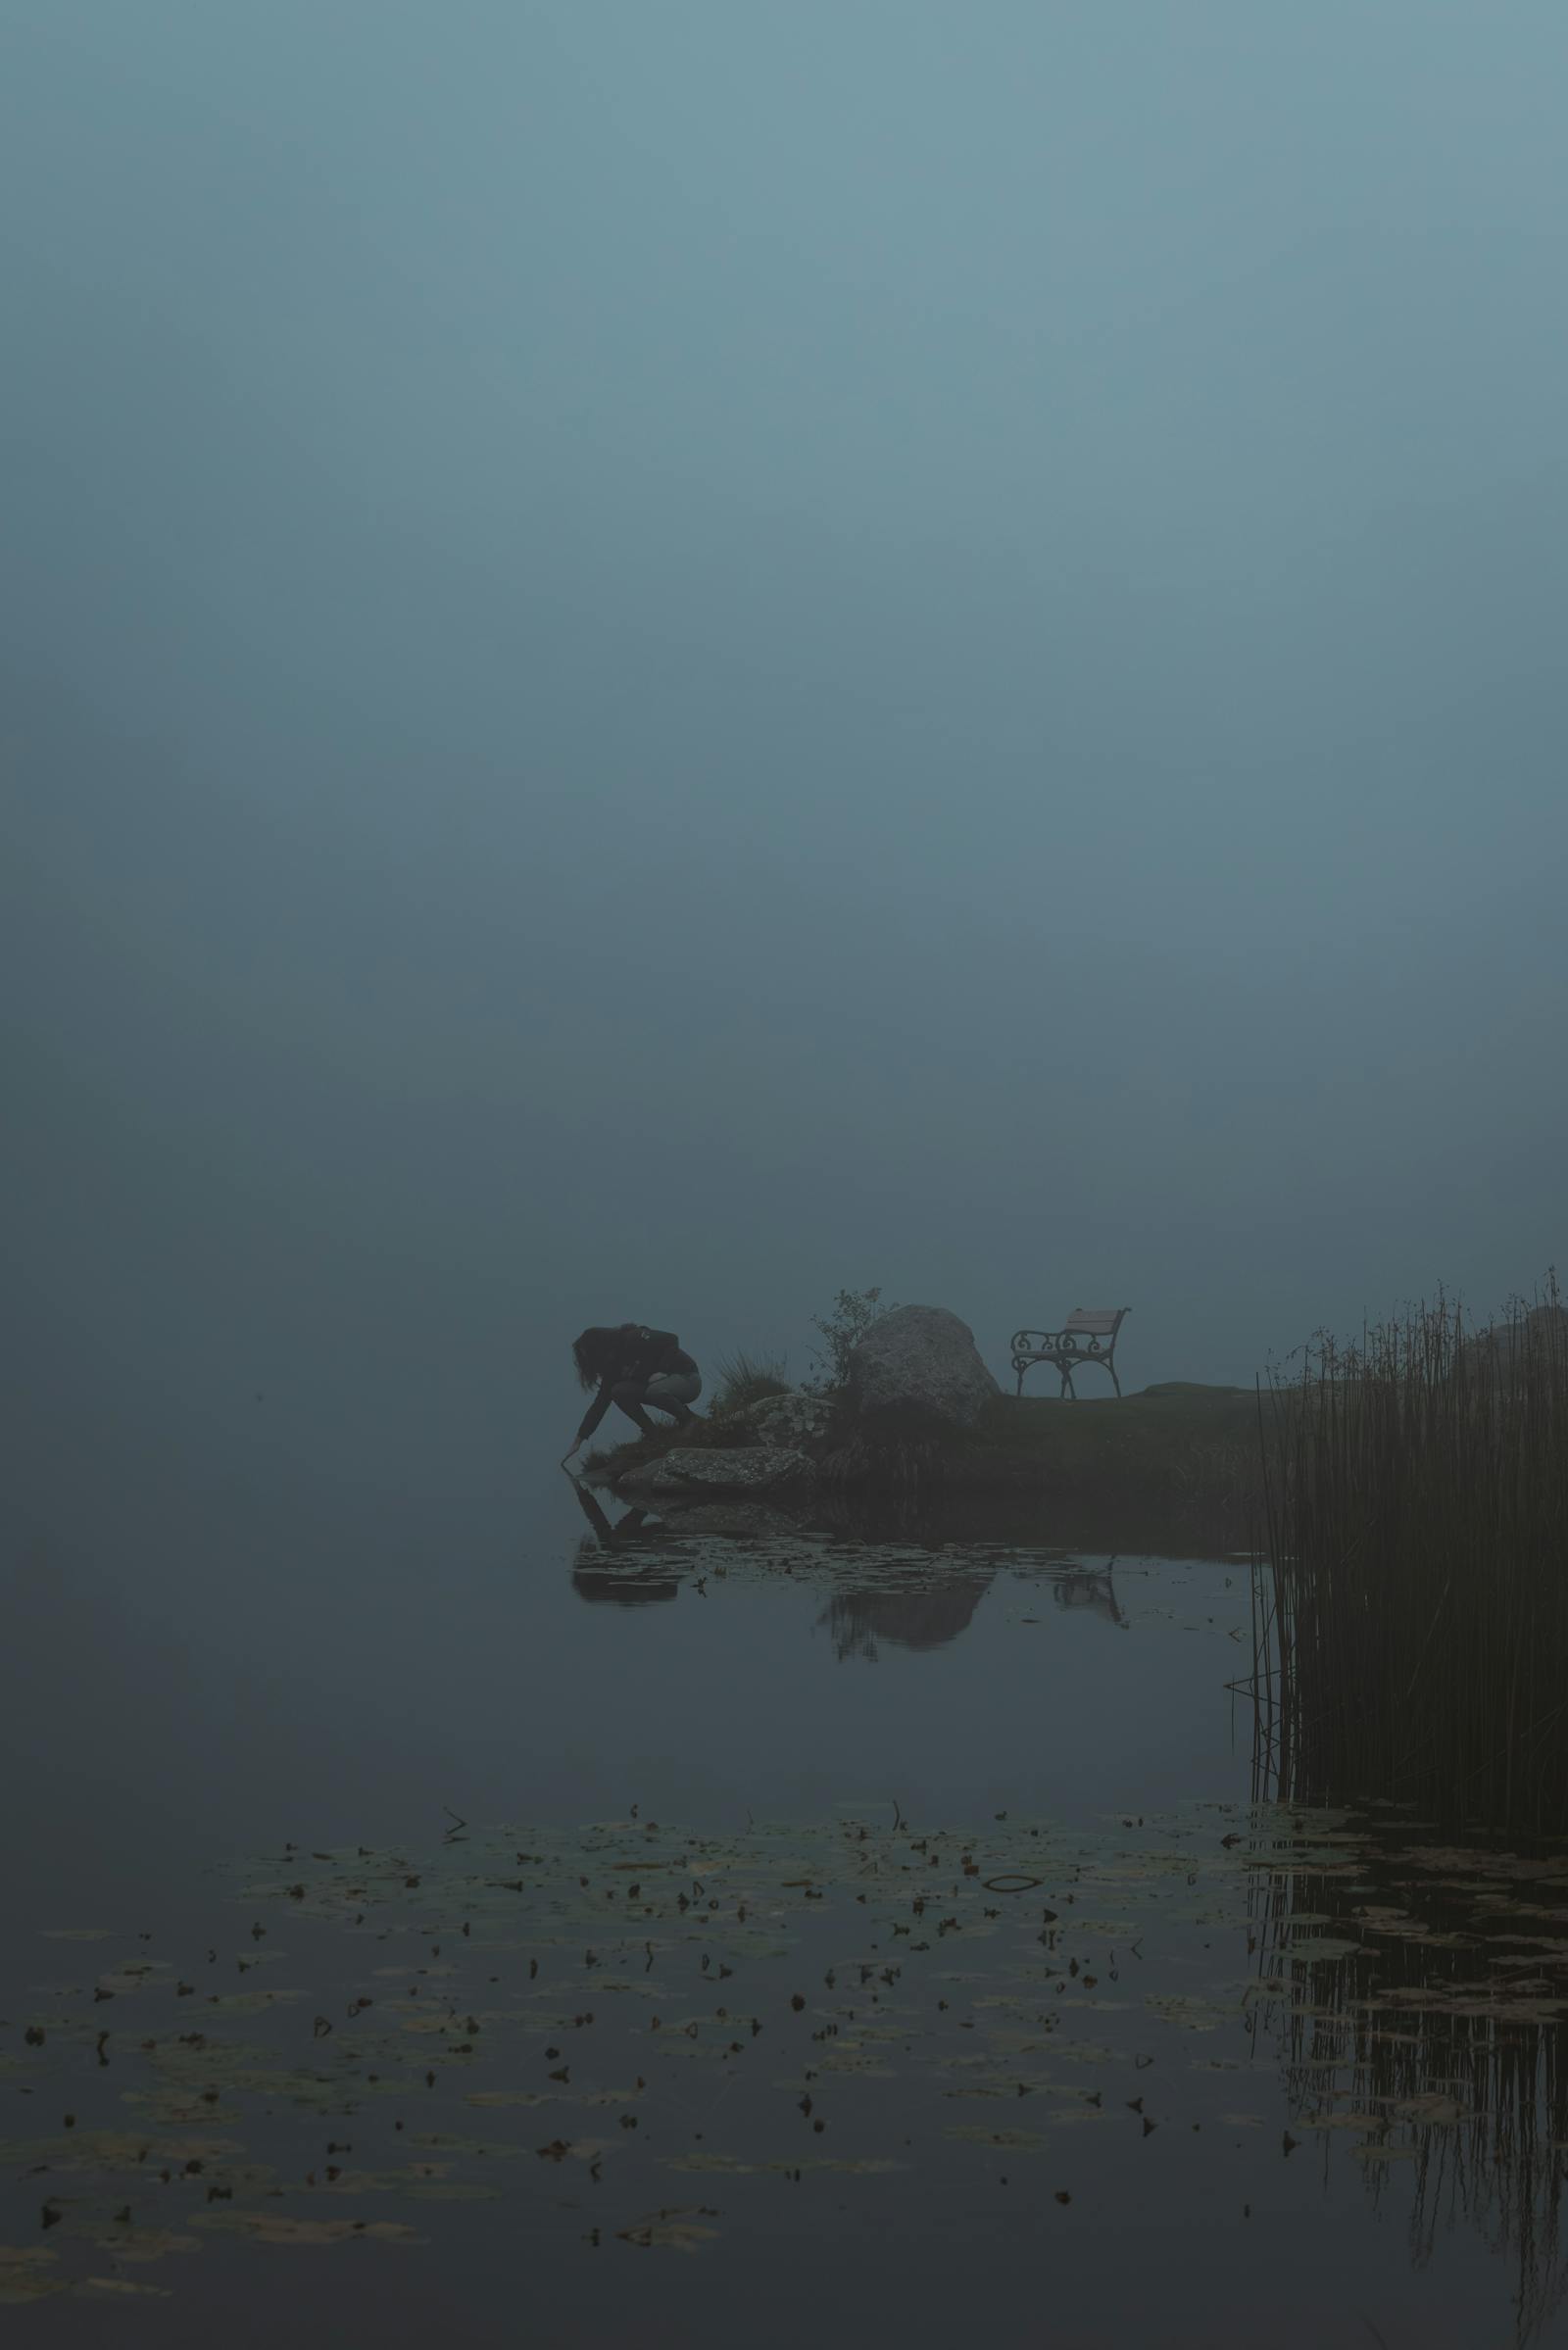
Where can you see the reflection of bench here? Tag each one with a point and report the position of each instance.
(1089, 1587)
(1084, 1338)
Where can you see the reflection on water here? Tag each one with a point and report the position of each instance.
(1089, 1587)
(936, 1609)
(1300, 2059)
(631, 2035)
(863, 1621)
(641, 1578)
(1420, 1993)
(922, 1594)
(632, 1588)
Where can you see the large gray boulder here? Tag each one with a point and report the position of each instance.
(718, 1469)
(919, 1362)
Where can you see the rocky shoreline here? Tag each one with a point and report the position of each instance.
(920, 1416)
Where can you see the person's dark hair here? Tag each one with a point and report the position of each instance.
(594, 1353)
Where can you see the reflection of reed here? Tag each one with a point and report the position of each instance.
(1425, 2039)
(1414, 1624)
(1410, 1630)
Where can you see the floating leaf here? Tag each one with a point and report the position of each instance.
(278, 2227)
(29, 2273)
(111, 2288)
(1011, 2142)
(669, 2230)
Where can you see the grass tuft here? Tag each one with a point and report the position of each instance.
(745, 1380)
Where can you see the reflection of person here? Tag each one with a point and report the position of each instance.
(594, 1583)
(633, 1366)
(598, 1518)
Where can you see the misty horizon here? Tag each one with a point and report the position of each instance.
(639, 687)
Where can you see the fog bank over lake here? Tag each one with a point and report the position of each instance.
(658, 660)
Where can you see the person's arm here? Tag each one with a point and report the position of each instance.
(595, 1412)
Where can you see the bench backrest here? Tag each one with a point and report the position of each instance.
(1100, 1322)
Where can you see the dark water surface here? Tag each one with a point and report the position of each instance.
(333, 1823)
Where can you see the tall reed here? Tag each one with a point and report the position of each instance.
(1416, 1603)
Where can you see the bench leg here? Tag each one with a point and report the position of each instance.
(1114, 1381)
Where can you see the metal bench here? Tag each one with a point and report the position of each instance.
(1084, 1338)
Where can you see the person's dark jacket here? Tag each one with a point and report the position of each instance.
(645, 1354)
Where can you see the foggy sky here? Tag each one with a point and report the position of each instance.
(663, 658)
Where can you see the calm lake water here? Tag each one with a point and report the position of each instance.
(497, 1923)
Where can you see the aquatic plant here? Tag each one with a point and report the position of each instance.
(1415, 1620)
(547, 2019)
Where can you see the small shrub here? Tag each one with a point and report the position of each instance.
(841, 1331)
